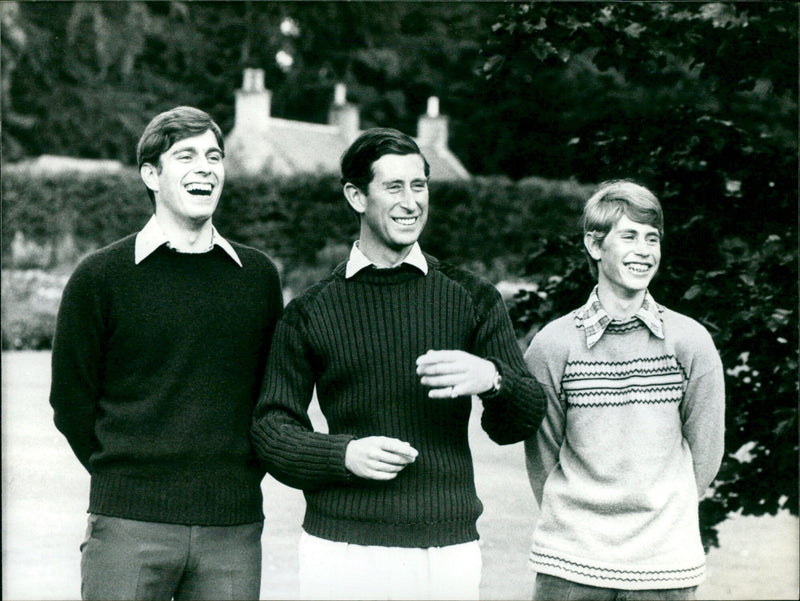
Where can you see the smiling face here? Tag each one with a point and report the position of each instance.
(394, 208)
(188, 180)
(627, 258)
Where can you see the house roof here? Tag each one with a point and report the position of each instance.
(259, 142)
(287, 147)
(307, 147)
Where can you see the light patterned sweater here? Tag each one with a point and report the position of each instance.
(632, 437)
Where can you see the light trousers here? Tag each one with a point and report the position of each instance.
(335, 570)
(130, 559)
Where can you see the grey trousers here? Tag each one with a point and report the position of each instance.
(552, 588)
(129, 559)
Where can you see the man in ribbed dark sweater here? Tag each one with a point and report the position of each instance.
(396, 344)
(158, 357)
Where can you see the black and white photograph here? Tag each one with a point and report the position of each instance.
(408, 300)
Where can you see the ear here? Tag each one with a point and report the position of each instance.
(149, 175)
(592, 245)
(355, 197)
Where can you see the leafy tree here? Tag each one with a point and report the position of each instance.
(722, 157)
(83, 78)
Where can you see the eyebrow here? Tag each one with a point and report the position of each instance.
(402, 181)
(193, 149)
(653, 232)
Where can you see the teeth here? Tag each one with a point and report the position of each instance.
(638, 267)
(203, 189)
(405, 220)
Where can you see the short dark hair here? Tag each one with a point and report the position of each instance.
(172, 126)
(370, 146)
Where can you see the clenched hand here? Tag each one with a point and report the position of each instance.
(378, 457)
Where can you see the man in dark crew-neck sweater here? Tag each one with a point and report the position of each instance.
(396, 344)
(159, 352)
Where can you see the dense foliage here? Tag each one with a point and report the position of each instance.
(726, 173)
(83, 78)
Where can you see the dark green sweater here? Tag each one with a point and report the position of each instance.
(357, 340)
(156, 371)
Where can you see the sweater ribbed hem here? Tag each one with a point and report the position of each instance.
(196, 500)
(389, 534)
(623, 577)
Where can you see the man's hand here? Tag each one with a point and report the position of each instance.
(451, 374)
(378, 457)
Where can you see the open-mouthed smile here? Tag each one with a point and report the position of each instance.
(405, 220)
(199, 188)
(639, 268)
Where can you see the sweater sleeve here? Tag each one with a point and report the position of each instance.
(282, 433)
(515, 412)
(77, 360)
(703, 412)
(542, 450)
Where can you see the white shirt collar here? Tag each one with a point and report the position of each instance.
(152, 236)
(358, 260)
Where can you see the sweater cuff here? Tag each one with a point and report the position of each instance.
(338, 453)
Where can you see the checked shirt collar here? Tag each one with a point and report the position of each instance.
(594, 320)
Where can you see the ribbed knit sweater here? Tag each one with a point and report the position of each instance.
(632, 437)
(357, 340)
(156, 372)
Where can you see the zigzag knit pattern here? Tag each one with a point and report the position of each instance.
(599, 383)
(614, 578)
(633, 434)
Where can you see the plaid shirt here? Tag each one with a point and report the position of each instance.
(594, 320)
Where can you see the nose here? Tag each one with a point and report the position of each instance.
(202, 164)
(407, 200)
(642, 248)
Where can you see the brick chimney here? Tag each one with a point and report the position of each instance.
(432, 128)
(343, 114)
(252, 102)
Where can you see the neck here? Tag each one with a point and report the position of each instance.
(186, 236)
(620, 305)
(382, 256)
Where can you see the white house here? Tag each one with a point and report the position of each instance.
(260, 142)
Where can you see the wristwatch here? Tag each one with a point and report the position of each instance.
(497, 381)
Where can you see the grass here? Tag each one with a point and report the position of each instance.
(30, 303)
(45, 495)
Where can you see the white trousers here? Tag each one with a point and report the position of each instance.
(332, 570)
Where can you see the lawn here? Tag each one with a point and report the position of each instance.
(45, 494)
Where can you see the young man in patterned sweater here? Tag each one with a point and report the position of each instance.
(633, 433)
(396, 343)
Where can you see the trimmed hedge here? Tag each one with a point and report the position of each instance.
(292, 219)
(303, 223)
